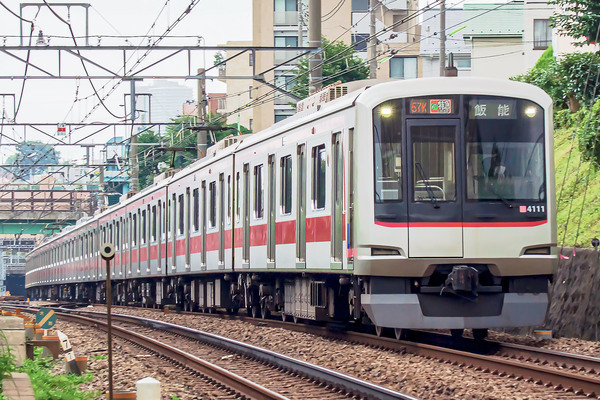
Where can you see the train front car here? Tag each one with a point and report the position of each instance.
(455, 214)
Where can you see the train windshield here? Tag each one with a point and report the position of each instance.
(388, 152)
(504, 149)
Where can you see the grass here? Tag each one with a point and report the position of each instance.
(577, 222)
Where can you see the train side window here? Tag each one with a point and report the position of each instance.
(117, 236)
(180, 205)
(165, 220)
(196, 200)
(134, 231)
(143, 227)
(286, 185)
(153, 232)
(319, 161)
(237, 197)
(229, 199)
(212, 207)
(259, 207)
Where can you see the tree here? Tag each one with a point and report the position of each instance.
(579, 19)
(32, 153)
(340, 63)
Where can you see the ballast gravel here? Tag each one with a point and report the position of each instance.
(410, 374)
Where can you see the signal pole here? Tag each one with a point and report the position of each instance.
(133, 153)
(315, 79)
(372, 41)
(442, 37)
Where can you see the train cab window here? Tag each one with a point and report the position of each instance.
(212, 206)
(259, 204)
(143, 227)
(319, 162)
(387, 140)
(154, 227)
(433, 166)
(181, 220)
(504, 149)
(196, 200)
(286, 185)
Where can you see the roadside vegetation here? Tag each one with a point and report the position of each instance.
(47, 385)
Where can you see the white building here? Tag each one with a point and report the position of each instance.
(164, 99)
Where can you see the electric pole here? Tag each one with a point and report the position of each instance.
(315, 80)
(372, 41)
(133, 154)
(442, 37)
(201, 133)
(300, 33)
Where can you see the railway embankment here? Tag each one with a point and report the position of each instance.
(575, 298)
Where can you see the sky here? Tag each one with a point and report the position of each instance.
(52, 101)
(216, 22)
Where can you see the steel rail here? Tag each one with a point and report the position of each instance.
(348, 383)
(235, 382)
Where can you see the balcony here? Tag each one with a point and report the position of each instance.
(285, 18)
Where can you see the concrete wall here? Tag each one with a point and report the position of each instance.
(497, 58)
(575, 300)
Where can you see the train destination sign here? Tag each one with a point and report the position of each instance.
(492, 109)
(431, 106)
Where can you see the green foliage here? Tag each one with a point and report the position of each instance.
(545, 59)
(174, 397)
(337, 58)
(99, 357)
(219, 57)
(572, 77)
(55, 387)
(589, 136)
(178, 135)
(577, 18)
(7, 359)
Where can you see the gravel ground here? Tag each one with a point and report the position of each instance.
(131, 364)
(410, 374)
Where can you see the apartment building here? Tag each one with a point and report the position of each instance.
(284, 23)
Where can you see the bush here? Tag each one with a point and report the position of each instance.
(588, 134)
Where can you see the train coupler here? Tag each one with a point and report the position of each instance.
(462, 281)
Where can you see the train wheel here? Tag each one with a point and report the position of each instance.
(457, 333)
(480, 334)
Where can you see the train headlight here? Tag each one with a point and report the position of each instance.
(530, 112)
(386, 112)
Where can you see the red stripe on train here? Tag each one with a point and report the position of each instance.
(460, 224)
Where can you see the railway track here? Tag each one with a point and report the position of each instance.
(562, 371)
(317, 382)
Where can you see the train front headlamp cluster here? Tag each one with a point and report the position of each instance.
(530, 111)
(385, 112)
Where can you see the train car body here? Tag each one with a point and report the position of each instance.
(425, 203)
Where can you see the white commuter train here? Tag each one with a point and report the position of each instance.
(425, 203)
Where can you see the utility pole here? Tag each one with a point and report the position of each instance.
(372, 41)
(442, 37)
(133, 153)
(300, 33)
(315, 79)
(201, 133)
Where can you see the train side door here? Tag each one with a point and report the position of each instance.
(337, 203)
(435, 205)
(301, 208)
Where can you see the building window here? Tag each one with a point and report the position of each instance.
(360, 5)
(286, 185)
(286, 41)
(360, 41)
(259, 207)
(250, 59)
(400, 22)
(212, 211)
(286, 5)
(222, 104)
(319, 161)
(542, 34)
(280, 117)
(250, 122)
(250, 91)
(462, 63)
(403, 67)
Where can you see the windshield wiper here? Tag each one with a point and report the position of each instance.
(500, 197)
(427, 186)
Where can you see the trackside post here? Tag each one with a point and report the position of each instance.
(107, 251)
